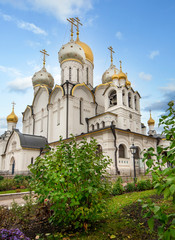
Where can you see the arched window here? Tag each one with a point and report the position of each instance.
(78, 78)
(99, 149)
(98, 126)
(123, 97)
(87, 75)
(135, 102)
(70, 73)
(32, 160)
(81, 111)
(58, 112)
(92, 126)
(137, 154)
(103, 124)
(121, 151)
(129, 100)
(113, 98)
(42, 116)
(113, 123)
(12, 165)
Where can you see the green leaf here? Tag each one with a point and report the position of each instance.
(166, 193)
(172, 189)
(151, 223)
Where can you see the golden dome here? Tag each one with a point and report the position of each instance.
(128, 83)
(12, 117)
(87, 50)
(115, 75)
(151, 121)
(121, 74)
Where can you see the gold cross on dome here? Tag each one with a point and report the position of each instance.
(120, 65)
(44, 56)
(72, 20)
(78, 23)
(13, 104)
(112, 51)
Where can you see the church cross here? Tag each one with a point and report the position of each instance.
(112, 51)
(13, 104)
(71, 20)
(78, 23)
(44, 56)
(120, 65)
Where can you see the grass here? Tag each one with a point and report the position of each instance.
(121, 220)
(14, 191)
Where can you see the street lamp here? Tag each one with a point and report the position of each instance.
(133, 151)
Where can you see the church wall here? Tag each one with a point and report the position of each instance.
(28, 122)
(71, 74)
(88, 74)
(40, 112)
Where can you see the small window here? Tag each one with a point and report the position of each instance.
(70, 73)
(78, 75)
(137, 154)
(113, 98)
(81, 111)
(92, 127)
(103, 124)
(87, 75)
(135, 102)
(98, 126)
(99, 149)
(32, 160)
(129, 100)
(121, 151)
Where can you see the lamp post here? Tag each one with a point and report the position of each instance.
(133, 151)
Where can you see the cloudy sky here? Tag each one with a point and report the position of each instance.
(140, 32)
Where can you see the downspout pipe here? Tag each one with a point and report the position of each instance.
(115, 145)
(87, 121)
(67, 108)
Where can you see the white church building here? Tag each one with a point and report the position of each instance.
(109, 112)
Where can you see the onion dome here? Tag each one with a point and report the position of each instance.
(12, 118)
(151, 121)
(42, 77)
(121, 74)
(128, 83)
(87, 50)
(111, 72)
(71, 51)
(114, 76)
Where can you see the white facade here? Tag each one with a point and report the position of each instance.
(109, 112)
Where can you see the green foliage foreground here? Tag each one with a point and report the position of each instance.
(71, 179)
(161, 164)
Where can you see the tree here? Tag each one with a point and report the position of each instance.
(161, 164)
(72, 178)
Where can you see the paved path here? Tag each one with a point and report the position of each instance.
(7, 199)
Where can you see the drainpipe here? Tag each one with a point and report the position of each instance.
(115, 145)
(67, 108)
(47, 121)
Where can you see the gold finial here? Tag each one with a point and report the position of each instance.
(13, 105)
(78, 23)
(151, 121)
(71, 20)
(114, 70)
(112, 51)
(44, 56)
(120, 66)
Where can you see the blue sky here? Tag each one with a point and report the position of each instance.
(140, 32)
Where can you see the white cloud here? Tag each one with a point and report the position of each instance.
(61, 9)
(119, 35)
(9, 70)
(145, 76)
(170, 87)
(30, 27)
(33, 44)
(23, 25)
(20, 84)
(153, 54)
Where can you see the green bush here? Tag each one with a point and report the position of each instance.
(118, 189)
(144, 185)
(6, 184)
(72, 180)
(1, 178)
(130, 187)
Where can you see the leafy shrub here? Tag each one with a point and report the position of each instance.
(6, 184)
(118, 189)
(1, 178)
(71, 178)
(144, 185)
(12, 234)
(130, 187)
